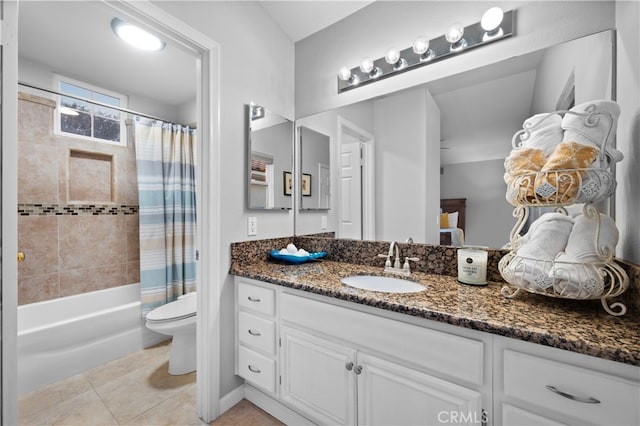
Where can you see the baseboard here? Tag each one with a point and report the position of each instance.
(231, 399)
(274, 407)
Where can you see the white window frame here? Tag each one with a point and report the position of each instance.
(124, 100)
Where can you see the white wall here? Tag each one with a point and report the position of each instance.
(400, 132)
(488, 215)
(628, 139)
(592, 77)
(256, 64)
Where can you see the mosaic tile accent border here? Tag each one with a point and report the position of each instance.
(75, 209)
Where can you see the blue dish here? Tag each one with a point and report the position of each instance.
(289, 258)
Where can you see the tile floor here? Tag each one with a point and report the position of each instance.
(133, 390)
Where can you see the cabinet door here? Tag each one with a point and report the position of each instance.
(317, 377)
(514, 416)
(391, 394)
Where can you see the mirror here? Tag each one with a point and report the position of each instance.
(412, 159)
(270, 160)
(315, 166)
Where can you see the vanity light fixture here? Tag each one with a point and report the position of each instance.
(495, 25)
(490, 22)
(136, 36)
(454, 36)
(421, 48)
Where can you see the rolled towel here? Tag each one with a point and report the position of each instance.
(598, 130)
(546, 237)
(520, 166)
(560, 181)
(576, 278)
(545, 132)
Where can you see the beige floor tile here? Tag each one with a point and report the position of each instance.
(133, 394)
(180, 409)
(245, 413)
(84, 409)
(149, 357)
(52, 394)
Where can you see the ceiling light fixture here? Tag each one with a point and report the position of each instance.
(495, 25)
(136, 36)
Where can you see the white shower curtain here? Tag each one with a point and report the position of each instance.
(165, 160)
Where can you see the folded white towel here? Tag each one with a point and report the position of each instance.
(546, 237)
(546, 132)
(581, 244)
(576, 278)
(598, 130)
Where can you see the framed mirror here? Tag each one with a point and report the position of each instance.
(315, 170)
(446, 140)
(270, 160)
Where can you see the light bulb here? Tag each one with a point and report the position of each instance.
(393, 56)
(492, 19)
(344, 74)
(421, 45)
(454, 33)
(366, 66)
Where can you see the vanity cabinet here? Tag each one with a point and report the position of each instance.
(342, 366)
(318, 377)
(334, 383)
(538, 385)
(255, 332)
(336, 362)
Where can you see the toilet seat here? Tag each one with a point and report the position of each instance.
(182, 308)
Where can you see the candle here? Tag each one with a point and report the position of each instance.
(472, 265)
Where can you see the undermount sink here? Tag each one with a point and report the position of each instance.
(383, 284)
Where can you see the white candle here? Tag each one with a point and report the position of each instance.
(472, 265)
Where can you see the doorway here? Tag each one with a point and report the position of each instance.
(206, 52)
(357, 181)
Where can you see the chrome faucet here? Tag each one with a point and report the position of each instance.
(396, 268)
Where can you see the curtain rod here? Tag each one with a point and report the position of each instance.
(125, 110)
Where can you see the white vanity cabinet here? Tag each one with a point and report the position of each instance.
(317, 377)
(342, 366)
(540, 385)
(256, 333)
(334, 362)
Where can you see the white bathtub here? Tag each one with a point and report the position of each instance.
(62, 337)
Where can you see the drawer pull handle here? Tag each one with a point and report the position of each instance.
(586, 400)
(358, 369)
(252, 299)
(254, 370)
(254, 333)
(349, 366)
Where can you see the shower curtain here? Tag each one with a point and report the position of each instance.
(165, 160)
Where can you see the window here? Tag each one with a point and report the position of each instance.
(86, 120)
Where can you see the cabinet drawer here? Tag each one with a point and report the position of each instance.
(255, 298)
(257, 332)
(257, 369)
(528, 378)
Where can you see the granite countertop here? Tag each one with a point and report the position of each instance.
(578, 326)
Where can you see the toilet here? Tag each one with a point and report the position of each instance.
(177, 319)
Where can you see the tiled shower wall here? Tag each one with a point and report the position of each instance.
(80, 246)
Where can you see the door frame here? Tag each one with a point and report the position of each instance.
(208, 240)
(347, 128)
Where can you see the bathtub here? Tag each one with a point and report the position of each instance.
(62, 337)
